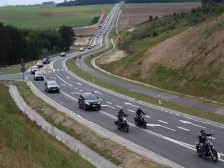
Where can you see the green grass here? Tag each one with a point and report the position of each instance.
(138, 96)
(41, 107)
(51, 17)
(25, 144)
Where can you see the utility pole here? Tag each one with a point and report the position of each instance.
(23, 69)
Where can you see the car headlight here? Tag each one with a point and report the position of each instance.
(87, 103)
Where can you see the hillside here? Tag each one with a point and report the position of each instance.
(186, 59)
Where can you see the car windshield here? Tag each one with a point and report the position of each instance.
(38, 72)
(52, 83)
(89, 96)
(35, 67)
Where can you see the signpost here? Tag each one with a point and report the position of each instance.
(23, 69)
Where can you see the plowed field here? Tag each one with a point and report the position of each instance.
(132, 15)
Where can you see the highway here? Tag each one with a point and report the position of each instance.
(169, 133)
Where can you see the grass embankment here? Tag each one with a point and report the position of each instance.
(51, 17)
(116, 153)
(191, 65)
(138, 96)
(24, 144)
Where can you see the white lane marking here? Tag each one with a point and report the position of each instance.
(130, 104)
(163, 121)
(189, 146)
(183, 128)
(108, 106)
(98, 92)
(131, 111)
(69, 96)
(79, 84)
(119, 106)
(75, 92)
(158, 125)
(68, 77)
(63, 80)
(80, 90)
(76, 88)
(62, 69)
(52, 77)
(190, 123)
(109, 102)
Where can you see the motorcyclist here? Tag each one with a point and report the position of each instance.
(203, 140)
(120, 115)
(139, 112)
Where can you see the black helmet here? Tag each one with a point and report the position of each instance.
(202, 131)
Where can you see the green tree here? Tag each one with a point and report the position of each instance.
(67, 35)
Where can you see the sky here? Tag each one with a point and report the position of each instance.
(25, 2)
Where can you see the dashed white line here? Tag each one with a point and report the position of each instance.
(108, 106)
(183, 128)
(163, 121)
(119, 106)
(109, 102)
(64, 80)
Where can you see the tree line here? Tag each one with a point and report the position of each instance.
(93, 2)
(27, 43)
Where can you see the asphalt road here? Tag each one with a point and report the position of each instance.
(169, 133)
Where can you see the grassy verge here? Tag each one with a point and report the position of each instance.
(146, 98)
(24, 144)
(116, 153)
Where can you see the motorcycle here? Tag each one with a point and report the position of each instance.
(122, 123)
(209, 150)
(140, 121)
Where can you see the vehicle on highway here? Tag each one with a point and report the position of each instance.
(39, 64)
(51, 86)
(46, 60)
(209, 150)
(121, 121)
(33, 69)
(63, 54)
(39, 75)
(88, 100)
(140, 121)
(81, 49)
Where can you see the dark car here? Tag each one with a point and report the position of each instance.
(89, 100)
(39, 75)
(51, 86)
(34, 69)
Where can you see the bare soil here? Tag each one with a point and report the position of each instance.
(132, 15)
(113, 56)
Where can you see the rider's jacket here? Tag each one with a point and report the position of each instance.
(139, 112)
(202, 137)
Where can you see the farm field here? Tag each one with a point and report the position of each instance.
(53, 17)
(132, 15)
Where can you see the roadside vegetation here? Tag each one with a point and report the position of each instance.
(116, 153)
(24, 144)
(143, 97)
(154, 54)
